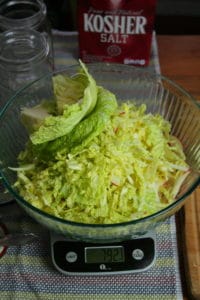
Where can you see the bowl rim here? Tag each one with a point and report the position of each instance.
(157, 214)
(117, 65)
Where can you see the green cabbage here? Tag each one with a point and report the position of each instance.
(95, 161)
(57, 126)
(131, 168)
(33, 117)
(83, 132)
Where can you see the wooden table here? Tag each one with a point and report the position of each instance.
(180, 61)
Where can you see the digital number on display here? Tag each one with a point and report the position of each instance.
(114, 254)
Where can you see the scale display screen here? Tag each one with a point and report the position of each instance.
(112, 254)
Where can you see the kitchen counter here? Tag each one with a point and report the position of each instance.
(180, 61)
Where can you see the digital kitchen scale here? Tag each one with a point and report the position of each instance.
(72, 257)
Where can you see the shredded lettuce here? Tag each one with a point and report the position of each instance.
(117, 164)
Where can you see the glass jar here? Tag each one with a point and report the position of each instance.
(23, 58)
(21, 14)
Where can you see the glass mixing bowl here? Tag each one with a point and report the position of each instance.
(160, 96)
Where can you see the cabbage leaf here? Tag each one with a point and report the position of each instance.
(85, 130)
(57, 126)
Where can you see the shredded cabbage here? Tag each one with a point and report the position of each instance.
(131, 169)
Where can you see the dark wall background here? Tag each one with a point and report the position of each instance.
(172, 16)
(178, 17)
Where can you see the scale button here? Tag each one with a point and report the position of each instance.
(71, 256)
(137, 254)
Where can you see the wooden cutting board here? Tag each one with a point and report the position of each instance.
(190, 228)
